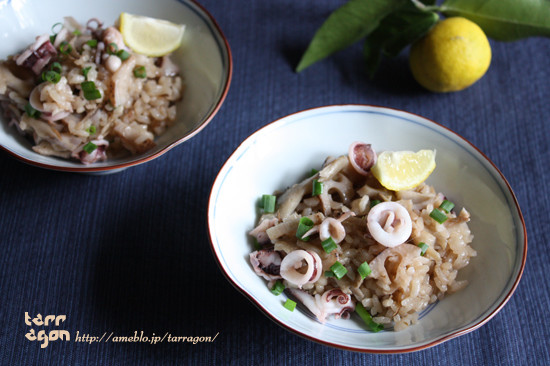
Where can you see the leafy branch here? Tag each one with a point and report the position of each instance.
(388, 26)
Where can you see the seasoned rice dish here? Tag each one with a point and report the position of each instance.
(340, 242)
(82, 94)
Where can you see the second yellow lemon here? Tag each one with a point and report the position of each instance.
(452, 56)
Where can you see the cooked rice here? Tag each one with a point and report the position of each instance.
(402, 282)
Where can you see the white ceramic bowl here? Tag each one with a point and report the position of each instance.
(282, 152)
(204, 60)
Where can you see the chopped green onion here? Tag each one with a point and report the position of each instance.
(317, 188)
(55, 31)
(123, 55)
(367, 318)
(54, 27)
(140, 72)
(438, 215)
(423, 246)
(77, 32)
(290, 305)
(268, 203)
(277, 288)
(374, 203)
(65, 48)
(56, 67)
(92, 43)
(446, 206)
(89, 147)
(91, 130)
(304, 226)
(364, 270)
(31, 112)
(329, 274)
(90, 91)
(85, 71)
(329, 245)
(51, 76)
(313, 172)
(112, 48)
(88, 86)
(339, 270)
(257, 245)
(92, 95)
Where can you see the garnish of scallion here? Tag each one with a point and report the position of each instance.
(140, 72)
(446, 206)
(317, 188)
(364, 270)
(31, 112)
(367, 318)
(92, 43)
(257, 245)
(277, 288)
(91, 130)
(268, 203)
(423, 247)
(90, 91)
(290, 305)
(112, 48)
(123, 55)
(304, 225)
(55, 28)
(339, 270)
(65, 48)
(329, 245)
(329, 274)
(85, 71)
(51, 76)
(88, 86)
(89, 147)
(438, 215)
(56, 67)
(374, 203)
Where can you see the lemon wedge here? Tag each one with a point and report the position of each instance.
(150, 36)
(399, 170)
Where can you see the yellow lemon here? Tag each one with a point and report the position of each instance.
(399, 170)
(150, 36)
(452, 56)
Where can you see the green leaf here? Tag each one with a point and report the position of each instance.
(345, 26)
(414, 27)
(372, 52)
(504, 20)
(396, 31)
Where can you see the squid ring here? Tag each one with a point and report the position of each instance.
(389, 223)
(362, 157)
(293, 262)
(330, 227)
